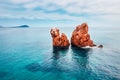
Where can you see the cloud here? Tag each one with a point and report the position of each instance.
(71, 6)
(20, 1)
(69, 10)
(78, 6)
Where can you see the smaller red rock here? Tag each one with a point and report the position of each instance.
(59, 41)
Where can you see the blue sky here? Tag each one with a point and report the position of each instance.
(61, 13)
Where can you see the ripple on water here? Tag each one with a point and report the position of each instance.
(55, 64)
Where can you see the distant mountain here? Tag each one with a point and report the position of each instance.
(22, 26)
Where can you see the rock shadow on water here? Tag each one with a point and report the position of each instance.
(81, 57)
(57, 51)
(83, 52)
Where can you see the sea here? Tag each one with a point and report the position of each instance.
(27, 54)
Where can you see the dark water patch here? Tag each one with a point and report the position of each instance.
(3, 74)
(35, 67)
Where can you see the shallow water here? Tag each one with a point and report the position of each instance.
(27, 54)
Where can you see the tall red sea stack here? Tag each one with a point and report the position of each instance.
(57, 40)
(80, 36)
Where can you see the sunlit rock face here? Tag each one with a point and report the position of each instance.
(57, 39)
(80, 36)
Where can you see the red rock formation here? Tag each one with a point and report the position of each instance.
(59, 41)
(80, 36)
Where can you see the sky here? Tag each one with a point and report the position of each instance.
(61, 13)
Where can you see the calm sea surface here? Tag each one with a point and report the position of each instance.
(27, 54)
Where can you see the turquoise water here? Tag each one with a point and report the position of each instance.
(27, 54)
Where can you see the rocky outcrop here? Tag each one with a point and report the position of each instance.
(100, 46)
(57, 40)
(80, 36)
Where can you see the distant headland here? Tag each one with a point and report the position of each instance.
(22, 26)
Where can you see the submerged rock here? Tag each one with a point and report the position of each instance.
(57, 40)
(100, 46)
(80, 36)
